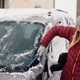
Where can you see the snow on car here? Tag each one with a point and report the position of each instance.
(21, 30)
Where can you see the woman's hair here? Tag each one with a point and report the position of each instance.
(75, 39)
(76, 36)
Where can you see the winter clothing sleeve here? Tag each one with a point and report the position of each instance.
(62, 31)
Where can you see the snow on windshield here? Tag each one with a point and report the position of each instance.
(17, 40)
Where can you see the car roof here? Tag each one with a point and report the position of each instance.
(20, 14)
(30, 14)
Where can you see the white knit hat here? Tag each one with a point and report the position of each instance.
(78, 21)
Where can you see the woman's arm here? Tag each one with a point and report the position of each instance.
(62, 31)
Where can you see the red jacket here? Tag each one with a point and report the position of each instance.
(71, 69)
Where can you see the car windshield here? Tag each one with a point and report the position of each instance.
(17, 39)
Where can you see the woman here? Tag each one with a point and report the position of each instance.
(71, 70)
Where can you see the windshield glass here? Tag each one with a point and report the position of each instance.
(16, 39)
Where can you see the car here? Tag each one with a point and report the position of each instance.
(21, 31)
